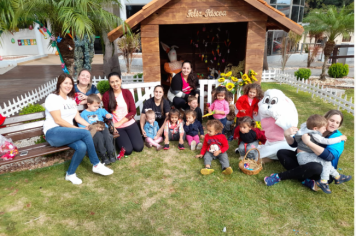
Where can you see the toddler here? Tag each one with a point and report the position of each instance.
(220, 106)
(192, 127)
(314, 127)
(103, 140)
(247, 104)
(173, 129)
(151, 127)
(248, 137)
(215, 147)
(193, 104)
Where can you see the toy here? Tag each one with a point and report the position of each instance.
(174, 66)
(42, 33)
(276, 113)
(209, 114)
(213, 148)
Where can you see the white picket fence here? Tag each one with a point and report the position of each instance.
(16, 104)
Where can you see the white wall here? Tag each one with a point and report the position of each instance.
(9, 49)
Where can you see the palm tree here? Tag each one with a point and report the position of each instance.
(333, 23)
(79, 18)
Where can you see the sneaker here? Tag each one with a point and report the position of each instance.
(193, 144)
(323, 186)
(199, 146)
(105, 159)
(149, 145)
(166, 147)
(271, 180)
(237, 151)
(206, 171)
(73, 178)
(310, 184)
(227, 171)
(181, 146)
(102, 169)
(343, 179)
(159, 147)
(112, 158)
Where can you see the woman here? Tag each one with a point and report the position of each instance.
(59, 129)
(183, 84)
(160, 106)
(85, 87)
(310, 172)
(121, 104)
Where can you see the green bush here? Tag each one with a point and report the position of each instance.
(103, 86)
(140, 75)
(303, 73)
(32, 108)
(338, 70)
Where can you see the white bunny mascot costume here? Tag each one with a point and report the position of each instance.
(276, 113)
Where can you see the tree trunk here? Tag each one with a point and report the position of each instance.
(329, 47)
(67, 54)
(265, 62)
(110, 55)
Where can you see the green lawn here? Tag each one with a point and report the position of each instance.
(163, 193)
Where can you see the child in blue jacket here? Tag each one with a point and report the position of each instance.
(192, 127)
(151, 127)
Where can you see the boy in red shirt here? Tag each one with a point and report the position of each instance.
(215, 147)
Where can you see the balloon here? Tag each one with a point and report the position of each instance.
(65, 71)
(30, 27)
(59, 39)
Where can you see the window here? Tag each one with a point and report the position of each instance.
(301, 11)
(284, 9)
(132, 9)
(296, 2)
(295, 11)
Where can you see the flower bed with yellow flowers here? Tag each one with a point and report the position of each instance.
(234, 84)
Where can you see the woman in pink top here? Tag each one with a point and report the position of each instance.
(183, 84)
(121, 104)
(220, 106)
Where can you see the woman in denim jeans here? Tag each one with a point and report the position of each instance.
(59, 129)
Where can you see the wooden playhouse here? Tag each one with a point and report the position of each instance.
(209, 33)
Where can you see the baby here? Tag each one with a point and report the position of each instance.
(151, 127)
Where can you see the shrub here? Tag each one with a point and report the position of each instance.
(32, 108)
(338, 70)
(303, 73)
(103, 86)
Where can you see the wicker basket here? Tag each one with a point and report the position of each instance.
(256, 166)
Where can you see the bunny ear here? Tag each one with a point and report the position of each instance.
(165, 47)
(174, 46)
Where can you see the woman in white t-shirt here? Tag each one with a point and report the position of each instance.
(59, 129)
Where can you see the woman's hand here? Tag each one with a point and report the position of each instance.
(82, 97)
(144, 133)
(291, 131)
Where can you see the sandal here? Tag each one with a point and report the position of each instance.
(323, 186)
(343, 179)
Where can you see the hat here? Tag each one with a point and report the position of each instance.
(2, 119)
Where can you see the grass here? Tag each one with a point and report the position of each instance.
(163, 193)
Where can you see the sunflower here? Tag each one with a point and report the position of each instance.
(229, 86)
(241, 83)
(253, 78)
(252, 72)
(222, 79)
(228, 73)
(234, 79)
(245, 77)
(222, 75)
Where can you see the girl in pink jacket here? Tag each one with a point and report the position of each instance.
(220, 106)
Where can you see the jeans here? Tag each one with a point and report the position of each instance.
(78, 139)
(223, 121)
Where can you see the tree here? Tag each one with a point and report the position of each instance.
(333, 23)
(80, 19)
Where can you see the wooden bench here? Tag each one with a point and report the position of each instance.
(21, 127)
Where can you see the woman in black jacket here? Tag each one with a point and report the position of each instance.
(183, 84)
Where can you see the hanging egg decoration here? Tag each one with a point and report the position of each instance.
(203, 29)
(44, 29)
(218, 46)
(206, 61)
(214, 58)
(59, 39)
(228, 50)
(56, 53)
(70, 48)
(218, 63)
(196, 45)
(206, 44)
(199, 55)
(62, 65)
(223, 60)
(30, 27)
(53, 44)
(211, 61)
(53, 38)
(12, 40)
(65, 71)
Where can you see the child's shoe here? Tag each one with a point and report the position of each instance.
(237, 151)
(193, 144)
(271, 180)
(166, 147)
(206, 171)
(159, 147)
(199, 146)
(310, 184)
(149, 145)
(227, 171)
(181, 146)
(105, 159)
(323, 186)
(343, 179)
(112, 158)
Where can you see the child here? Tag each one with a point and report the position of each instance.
(173, 130)
(230, 118)
(247, 104)
(103, 140)
(192, 127)
(248, 137)
(193, 104)
(315, 126)
(220, 106)
(215, 147)
(151, 127)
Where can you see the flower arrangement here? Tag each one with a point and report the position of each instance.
(233, 84)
